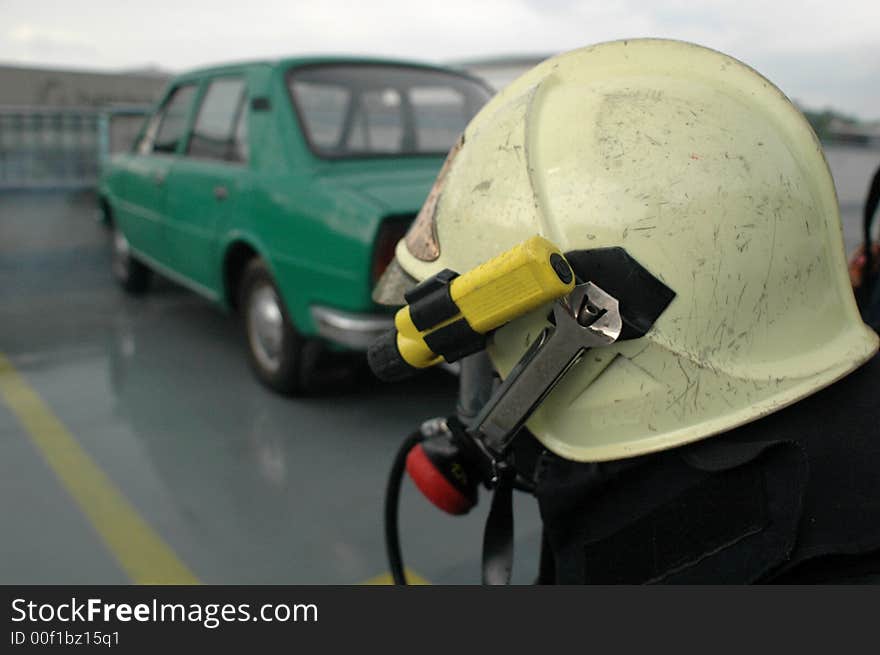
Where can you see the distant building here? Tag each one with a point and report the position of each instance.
(498, 72)
(45, 87)
(57, 127)
(850, 132)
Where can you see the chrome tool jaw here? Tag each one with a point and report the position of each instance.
(587, 317)
(590, 313)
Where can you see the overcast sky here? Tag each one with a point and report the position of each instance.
(820, 53)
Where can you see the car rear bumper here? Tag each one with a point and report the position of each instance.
(356, 331)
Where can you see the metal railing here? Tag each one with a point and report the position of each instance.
(63, 148)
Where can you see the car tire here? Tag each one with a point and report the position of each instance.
(133, 275)
(282, 358)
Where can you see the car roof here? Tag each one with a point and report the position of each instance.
(310, 60)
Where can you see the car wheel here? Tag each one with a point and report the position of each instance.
(282, 358)
(132, 275)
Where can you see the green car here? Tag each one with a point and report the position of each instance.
(279, 190)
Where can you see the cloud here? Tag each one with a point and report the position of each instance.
(24, 42)
(845, 78)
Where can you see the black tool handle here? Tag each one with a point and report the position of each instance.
(385, 359)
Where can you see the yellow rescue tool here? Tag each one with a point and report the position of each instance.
(449, 315)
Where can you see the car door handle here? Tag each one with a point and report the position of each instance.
(159, 178)
(221, 192)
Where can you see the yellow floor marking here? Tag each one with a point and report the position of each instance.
(412, 578)
(141, 553)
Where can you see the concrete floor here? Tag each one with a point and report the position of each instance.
(241, 485)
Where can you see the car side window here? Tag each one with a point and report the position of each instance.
(144, 143)
(220, 131)
(171, 121)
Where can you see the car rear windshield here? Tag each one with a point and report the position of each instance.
(379, 110)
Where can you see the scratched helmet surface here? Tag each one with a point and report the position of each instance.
(705, 173)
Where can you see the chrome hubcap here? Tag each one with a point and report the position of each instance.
(121, 254)
(265, 325)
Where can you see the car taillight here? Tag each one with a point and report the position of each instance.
(389, 234)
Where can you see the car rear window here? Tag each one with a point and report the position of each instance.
(375, 110)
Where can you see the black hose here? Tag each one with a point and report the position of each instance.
(392, 504)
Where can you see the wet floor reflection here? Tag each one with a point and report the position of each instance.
(245, 486)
